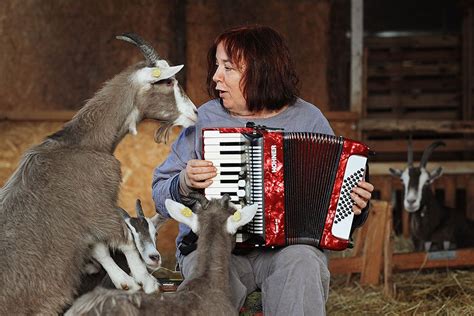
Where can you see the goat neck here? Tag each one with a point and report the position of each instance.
(213, 262)
(100, 124)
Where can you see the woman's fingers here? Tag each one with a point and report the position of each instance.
(361, 195)
(199, 173)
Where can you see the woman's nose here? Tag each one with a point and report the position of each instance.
(217, 75)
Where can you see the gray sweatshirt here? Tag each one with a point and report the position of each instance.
(300, 117)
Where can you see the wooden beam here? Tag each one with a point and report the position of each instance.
(437, 259)
(357, 32)
(468, 63)
(408, 125)
(398, 146)
(449, 167)
(345, 265)
(341, 116)
(413, 41)
(407, 101)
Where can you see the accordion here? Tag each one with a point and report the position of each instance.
(300, 181)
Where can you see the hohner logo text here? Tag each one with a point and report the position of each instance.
(274, 158)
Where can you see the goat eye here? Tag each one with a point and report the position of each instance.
(168, 82)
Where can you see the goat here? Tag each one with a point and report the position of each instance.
(208, 291)
(62, 198)
(433, 225)
(141, 232)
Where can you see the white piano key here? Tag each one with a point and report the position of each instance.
(224, 158)
(226, 177)
(208, 149)
(218, 134)
(229, 169)
(217, 184)
(217, 141)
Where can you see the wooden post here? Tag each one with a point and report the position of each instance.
(357, 32)
(388, 286)
(373, 250)
(470, 198)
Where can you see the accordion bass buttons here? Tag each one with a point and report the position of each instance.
(344, 216)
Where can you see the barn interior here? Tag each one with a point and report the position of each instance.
(380, 71)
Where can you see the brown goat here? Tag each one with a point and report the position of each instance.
(208, 291)
(62, 199)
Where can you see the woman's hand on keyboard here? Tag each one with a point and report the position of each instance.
(199, 173)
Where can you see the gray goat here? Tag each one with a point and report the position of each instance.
(62, 199)
(433, 225)
(208, 291)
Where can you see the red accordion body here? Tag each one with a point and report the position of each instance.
(301, 182)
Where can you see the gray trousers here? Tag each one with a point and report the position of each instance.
(294, 280)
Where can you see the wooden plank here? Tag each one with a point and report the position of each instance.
(430, 100)
(341, 116)
(409, 125)
(397, 70)
(396, 146)
(422, 85)
(413, 41)
(433, 55)
(468, 63)
(388, 288)
(345, 265)
(427, 115)
(379, 170)
(470, 198)
(36, 115)
(357, 33)
(406, 224)
(441, 259)
(373, 252)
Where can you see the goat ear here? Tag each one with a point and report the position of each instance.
(240, 218)
(123, 212)
(435, 174)
(395, 172)
(158, 220)
(182, 214)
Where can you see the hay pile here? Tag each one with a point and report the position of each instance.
(440, 292)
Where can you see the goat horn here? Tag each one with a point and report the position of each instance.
(428, 151)
(410, 152)
(139, 209)
(199, 197)
(147, 50)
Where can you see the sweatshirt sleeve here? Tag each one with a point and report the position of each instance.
(165, 184)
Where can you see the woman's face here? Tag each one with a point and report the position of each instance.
(227, 78)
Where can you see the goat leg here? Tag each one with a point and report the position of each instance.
(120, 279)
(139, 270)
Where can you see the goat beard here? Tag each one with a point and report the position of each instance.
(162, 134)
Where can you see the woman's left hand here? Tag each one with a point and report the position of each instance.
(361, 195)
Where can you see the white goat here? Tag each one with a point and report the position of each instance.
(62, 198)
(141, 233)
(208, 291)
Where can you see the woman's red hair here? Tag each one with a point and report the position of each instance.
(269, 80)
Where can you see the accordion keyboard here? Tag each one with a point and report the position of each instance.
(238, 160)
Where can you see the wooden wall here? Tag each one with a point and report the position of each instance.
(55, 54)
